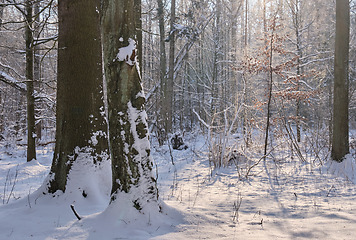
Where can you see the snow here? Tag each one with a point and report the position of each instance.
(345, 169)
(128, 53)
(94, 138)
(10, 80)
(139, 194)
(293, 201)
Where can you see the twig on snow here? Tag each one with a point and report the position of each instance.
(75, 212)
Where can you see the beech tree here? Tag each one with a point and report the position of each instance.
(128, 131)
(340, 140)
(81, 127)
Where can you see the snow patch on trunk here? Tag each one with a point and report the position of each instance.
(128, 53)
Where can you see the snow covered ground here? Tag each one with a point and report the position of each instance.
(283, 199)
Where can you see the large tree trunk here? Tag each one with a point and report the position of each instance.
(31, 131)
(340, 140)
(81, 127)
(128, 131)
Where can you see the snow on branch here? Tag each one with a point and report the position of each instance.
(187, 46)
(39, 41)
(4, 77)
(201, 120)
(151, 91)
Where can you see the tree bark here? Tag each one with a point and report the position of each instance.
(295, 6)
(37, 65)
(162, 71)
(214, 105)
(170, 81)
(128, 130)
(1, 12)
(340, 140)
(270, 87)
(246, 120)
(81, 127)
(31, 131)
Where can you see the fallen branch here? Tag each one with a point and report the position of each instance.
(75, 212)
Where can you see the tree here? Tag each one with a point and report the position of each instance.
(295, 9)
(162, 70)
(168, 105)
(128, 130)
(269, 55)
(37, 64)
(81, 127)
(340, 139)
(31, 131)
(22, 19)
(1, 11)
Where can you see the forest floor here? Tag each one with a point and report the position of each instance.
(282, 198)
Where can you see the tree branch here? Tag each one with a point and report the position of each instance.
(75, 212)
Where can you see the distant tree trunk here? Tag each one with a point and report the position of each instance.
(214, 106)
(128, 130)
(1, 12)
(246, 23)
(234, 41)
(170, 80)
(246, 120)
(37, 65)
(298, 105)
(162, 72)
(295, 6)
(81, 127)
(31, 131)
(264, 20)
(340, 140)
(270, 87)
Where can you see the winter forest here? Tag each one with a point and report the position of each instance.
(177, 119)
